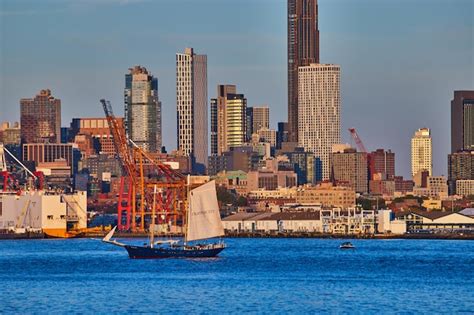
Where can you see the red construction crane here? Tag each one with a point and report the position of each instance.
(358, 141)
(140, 174)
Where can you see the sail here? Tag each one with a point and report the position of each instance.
(204, 219)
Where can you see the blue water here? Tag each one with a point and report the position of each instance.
(251, 276)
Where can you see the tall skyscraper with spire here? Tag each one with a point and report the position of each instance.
(191, 102)
(303, 50)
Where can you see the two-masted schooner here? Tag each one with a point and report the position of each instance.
(203, 222)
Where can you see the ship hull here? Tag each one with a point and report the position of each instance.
(140, 252)
(61, 233)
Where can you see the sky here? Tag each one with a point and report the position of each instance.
(400, 60)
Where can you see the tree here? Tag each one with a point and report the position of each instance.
(241, 202)
(224, 196)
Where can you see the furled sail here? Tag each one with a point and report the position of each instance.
(204, 219)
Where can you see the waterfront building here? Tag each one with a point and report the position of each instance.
(319, 106)
(462, 121)
(386, 224)
(348, 221)
(143, 109)
(435, 220)
(327, 195)
(303, 50)
(228, 119)
(40, 118)
(421, 152)
(304, 218)
(460, 167)
(296, 221)
(191, 102)
(382, 162)
(350, 167)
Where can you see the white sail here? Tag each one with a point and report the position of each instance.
(204, 219)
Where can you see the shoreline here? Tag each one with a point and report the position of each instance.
(420, 236)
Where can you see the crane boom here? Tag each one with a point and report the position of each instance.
(358, 140)
(122, 149)
(2, 148)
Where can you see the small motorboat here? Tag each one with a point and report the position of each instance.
(346, 245)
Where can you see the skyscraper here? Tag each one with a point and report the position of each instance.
(421, 152)
(191, 102)
(383, 163)
(350, 167)
(142, 109)
(460, 167)
(303, 50)
(319, 106)
(228, 119)
(462, 121)
(249, 124)
(282, 134)
(40, 118)
(261, 118)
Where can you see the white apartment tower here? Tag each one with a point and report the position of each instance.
(142, 109)
(319, 108)
(421, 152)
(191, 102)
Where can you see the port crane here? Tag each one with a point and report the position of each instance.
(140, 174)
(8, 178)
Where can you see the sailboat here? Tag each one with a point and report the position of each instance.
(203, 222)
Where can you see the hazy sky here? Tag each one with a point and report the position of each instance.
(400, 59)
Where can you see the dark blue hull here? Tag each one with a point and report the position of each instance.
(140, 252)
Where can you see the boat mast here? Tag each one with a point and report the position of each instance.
(186, 208)
(152, 226)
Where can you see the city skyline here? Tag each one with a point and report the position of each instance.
(418, 95)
